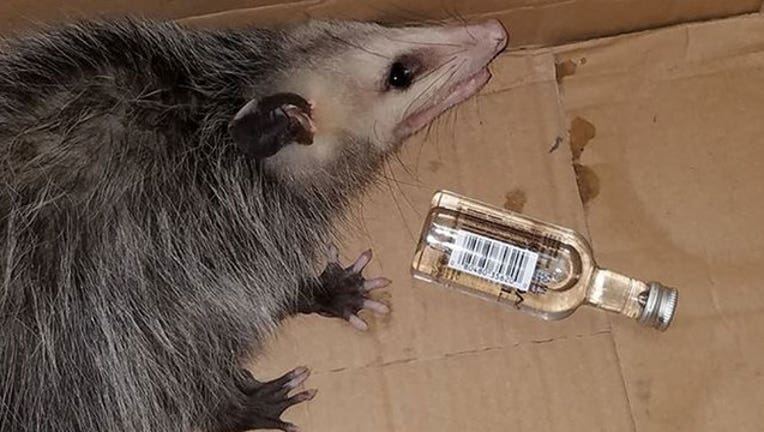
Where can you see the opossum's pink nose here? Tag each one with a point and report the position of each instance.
(489, 32)
(495, 31)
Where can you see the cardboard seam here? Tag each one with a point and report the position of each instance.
(696, 21)
(617, 354)
(477, 351)
(565, 133)
(607, 40)
(304, 6)
(712, 288)
(665, 71)
(508, 89)
(536, 77)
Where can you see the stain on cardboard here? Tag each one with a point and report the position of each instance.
(581, 132)
(643, 389)
(564, 69)
(515, 200)
(588, 182)
(434, 166)
(556, 144)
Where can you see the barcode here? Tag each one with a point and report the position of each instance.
(493, 260)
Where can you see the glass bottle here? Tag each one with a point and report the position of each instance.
(541, 268)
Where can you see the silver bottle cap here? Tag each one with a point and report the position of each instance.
(660, 307)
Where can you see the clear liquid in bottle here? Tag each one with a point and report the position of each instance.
(541, 268)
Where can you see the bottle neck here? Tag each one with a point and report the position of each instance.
(652, 304)
(617, 293)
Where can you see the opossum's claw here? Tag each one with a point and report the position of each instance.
(376, 283)
(361, 262)
(376, 306)
(357, 322)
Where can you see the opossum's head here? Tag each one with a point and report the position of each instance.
(361, 88)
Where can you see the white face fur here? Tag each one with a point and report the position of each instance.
(376, 86)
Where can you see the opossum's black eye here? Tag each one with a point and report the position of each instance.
(400, 76)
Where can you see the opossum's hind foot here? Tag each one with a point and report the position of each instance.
(344, 292)
(264, 402)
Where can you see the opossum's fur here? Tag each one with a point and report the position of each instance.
(140, 257)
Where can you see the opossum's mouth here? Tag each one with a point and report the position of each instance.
(442, 101)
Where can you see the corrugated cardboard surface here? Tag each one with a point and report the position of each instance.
(679, 157)
(667, 131)
(534, 22)
(665, 177)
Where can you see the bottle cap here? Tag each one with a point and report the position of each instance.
(660, 306)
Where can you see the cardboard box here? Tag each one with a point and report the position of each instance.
(533, 22)
(649, 143)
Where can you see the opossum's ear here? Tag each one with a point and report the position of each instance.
(264, 126)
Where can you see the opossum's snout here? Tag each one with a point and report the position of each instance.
(457, 68)
(398, 80)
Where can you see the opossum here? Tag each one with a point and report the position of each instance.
(168, 196)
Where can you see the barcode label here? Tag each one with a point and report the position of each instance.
(493, 260)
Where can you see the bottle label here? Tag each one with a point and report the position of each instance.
(493, 260)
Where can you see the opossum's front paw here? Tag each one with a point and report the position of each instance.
(265, 401)
(345, 292)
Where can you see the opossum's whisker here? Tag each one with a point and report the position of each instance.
(387, 178)
(439, 67)
(435, 82)
(395, 200)
(406, 169)
(438, 82)
(453, 124)
(398, 185)
(425, 140)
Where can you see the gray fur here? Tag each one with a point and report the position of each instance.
(140, 257)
